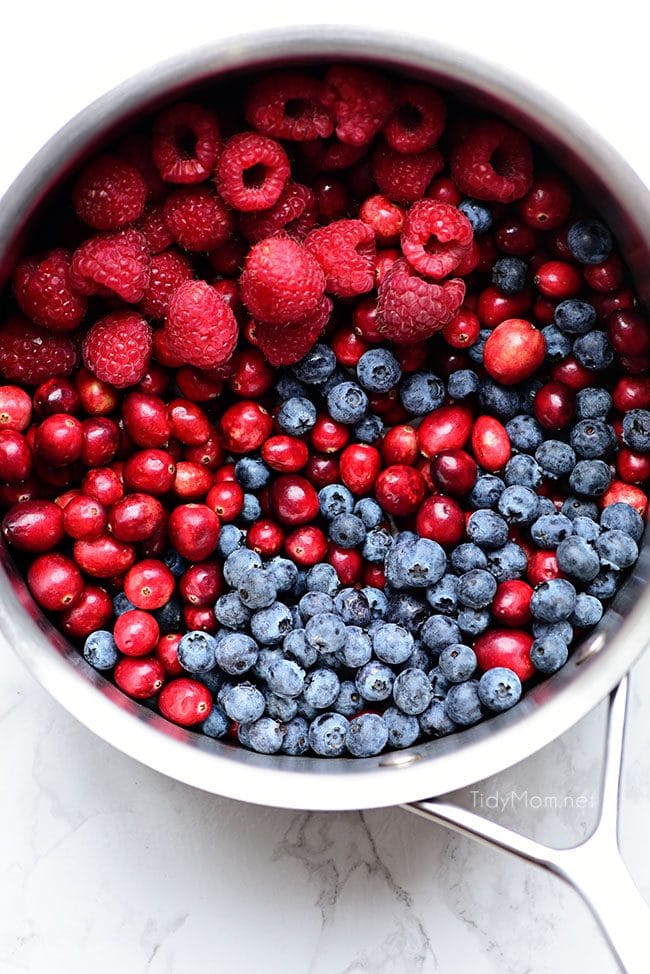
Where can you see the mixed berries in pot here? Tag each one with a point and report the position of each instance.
(324, 415)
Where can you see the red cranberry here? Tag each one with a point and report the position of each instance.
(547, 204)
(544, 311)
(365, 322)
(104, 484)
(167, 653)
(629, 333)
(97, 398)
(189, 423)
(230, 291)
(388, 406)
(454, 472)
(632, 467)
(56, 395)
(347, 562)
(135, 517)
(226, 499)
(487, 255)
(385, 217)
(33, 526)
(196, 385)
(150, 471)
(618, 492)
(554, 405)
(506, 647)
(294, 500)
(348, 346)
(194, 531)
(412, 357)
(514, 237)
(136, 633)
(448, 428)
(400, 490)
(634, 365)
(245, 426)
(359, 466)
(441, 519)
(209, 454)
(84, 518)
(332, 198)
(490, 443)
(374, 575)
(225, 472)
(15, 409)
(100, 440)
(445, 190)
(631, 393)
(26, 490)
(607, 304)
(104, 557)
(146, 419)
(557, 279)
(185, 702)
(307, 545)
(285, 454)
(155, 380)
(493, 307)
(201, 584)
(542, 567)
(15, 457)
(463, 330)
(605, 277)
(140, 678)
(383, 262)
(511, 603)
(265, 537)
(149, 584)
(200, 617)
(572, 374)
(253, 376)
(54, 581)
(400, 445)
(59, 440)
(93, 610)
(192, 481)
(328, 436)
(514, 351)
(321, 471)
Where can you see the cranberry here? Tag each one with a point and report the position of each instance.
(347, 562)
(293, 500)
(57, 395)
(544, 311)
(135, 517)
(572, 374)
(100, 440)
(26, 490)
(192, 480)
(104, 484)
(230, 291)
(348, 346)
(15, 409)
(201, 584)
(634, 365)
(511, 603)
(15, 457)
(59, 440)
(607, 304)
(93, 610)
(167, 653)
(155, 380)
(490, 443)
(547, 204)
(104, 557)
(412, 357)
(194, 531)
(487, 255)
(185, 702)
(449, 361)
(200, 617)
(454, 472)
(328, 436)
(493, 307)
(388, 406)
(542, 567)
(441, 519)
(307, 545)
(265, 537)
(136, 633)
(150, 471)
(445, 190)
(631, 394)
(226, 499)
(365, 321)
(383, 262)
(506, 647)
(374, 575)
(189, 423)
(632, 467)
(554, 405)
(400, 445)
(629, 333)
(149, 584)
(225, 472)
(332, 198)
(196, 385)
(84, 518)
(618, 492)
(359, 466)
(321, 471)
(400, 490)
(515, 238)
(33, 526)
(146, 419)
(209, 454)
(285, 454)
(557, 279)
(245, 426)
(605, 277)
(97, 398)
(385, 217)
(140, 678)
(54, 581)
(447, 428)
(463, 330)
(252, 376)
(514, 351)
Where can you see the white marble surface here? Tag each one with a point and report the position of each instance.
(109, 866)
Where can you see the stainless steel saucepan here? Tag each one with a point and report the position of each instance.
(410, 777)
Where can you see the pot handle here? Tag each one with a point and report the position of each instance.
(594, 867)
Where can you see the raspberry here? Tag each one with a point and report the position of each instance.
(418, 120)
(185, 143)
(287, 344)
(411, 309)
(330, 155)
(116, 263)
(289, 105)
(200, 329)
(436, 238)
(493, 162)
(169, 270)
(44, 292)
(346, 252)
(404, 178)
(281, 281)
(295, 213)
(29, 354)
(197, 219)
(117, 348)
(252, 172)
(363, 102)
(109, 193)
(154, 229)
(136, 149)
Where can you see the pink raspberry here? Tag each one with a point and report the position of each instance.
(109, 193)
(252, 172)
(281, 282)
(112, 263)
(364, 100)
(411, 309)
(436, 238)
(345, 249)
(493, 162)
(404, 178)
(154, 228)
(330, 155)
(30, 354)
(169, 270)
(292, 106)
(295, 213)
(287, 344)
(117, 348)
(200, 329)
(185, 144)
(197, 219)
(44, 291)
(418, 120)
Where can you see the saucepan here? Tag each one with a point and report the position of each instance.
(412, 777)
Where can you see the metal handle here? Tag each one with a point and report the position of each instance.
(594, 867)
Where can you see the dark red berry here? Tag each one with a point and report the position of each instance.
(33, 525)
(189, 423)
(245, 426)
(511, 603)
(265, 537)
(104, 557)
(15, 409)
(294, 500)
(150, 471)
(59, 440)
(447, 428)
(514, 351)
(104, 484)
(185, 702)
(506, 647)
(192, 481)
(285, 454)
(359, 467)
(146, 419)
(194, 531)
(15, 457)
(54, 581)
(347, 562)
(101, 437)
(557, 279)
(97, 398)
(400, 445)
(136, 633)
(542, 567)
(493, 307)
(453, 472)
(348, 346)
(328, 436)
(84, 518)
(554, 405)
(167, 653)
(490, 443)
(93, 610)
(140, 678)
(226, 499)
(400, 490)
(202, 584)
(322, 470)
(135, 517)
(547, 204)
(56, 395)
(441, 519)
(307, 545)
(463, 330)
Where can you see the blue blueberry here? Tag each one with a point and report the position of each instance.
(575, 507)
(376, 545)
(457, 663)
(121, 604)
(467, 556)
(507, 562)
(322, 578)
(377, 601)
(314, 602)
(347, 403)
(462, 384)
(238, 562)
(175, 562)
(252, 473)
(586, 528)
(590, 478)
(486, 491)
(472, 622)
(415, 563)
(443, 596)
(336, 378)
(588, 611)
(231, 611)
(325, 632)
(589, 241)
(558, 345)
(527, 395)
(235, 653)
(369, 429)
(317, 365)
(548, 654)
(435, 722)
(392, 644)
(577, 558)
(321, 688)
(575, 317)
(257, 588)
(421, 392)
(403, 730)
(525, 433)
(170, 616)
(636, 430)
(593, 351)
(369, 511)
(367, 734)
(495, 398)
(296, 416)
(617, 549)
(197, 651)
(555, 458)
(420, 658)
(487, 529)
(462, 703)
(279, 707)
(100, 650)
(550, 529)
(593, 403)
(284, 573)
(478, 214)
(213, 679)
(378, 370)
(405, 610)
(286, 678)
(475, 353)
(216, 723)
(347, 531)
(296, 647)
(553, 601)
(524, 470)
(266, 735)
(439, 683)
(357, 649)
(296, 737)
(230, 539)
(440, 631)
(327, 735)
(353, 607)
(561, 630)
(622, 517)
(499, 689)
(251, 509)
(605, 584)
(288, 387)
(519, 505)
(592, 438)
(269, 626)
(374, 681)
(335, 499)
(509, 274)
(243, 702)
(477, 588)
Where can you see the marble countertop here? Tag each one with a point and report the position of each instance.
(109, 866)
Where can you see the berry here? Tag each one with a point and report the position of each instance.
(294, 500)
(55, 582)
(34, 526)
(400, 490)
(411, 309)
(345, 250)
(194, 531)
(252, 172)
(167, 271)
(245, 426)
(30, 354)
(547, 204)
(441, 519)
(15, 457)
(197, 219)
(362, 101)
(436, 238)
(476, 174)
(418, 120)
(100, 650)
(453, 472)
(514, 351)
(136, 633)
(589, 241)
(59, 440)
(115, 263)
(185, 143)
(200, 328)
(402, 177)
(184, 701)
(139, 678)
(92, 611)
(45, 292)
(109, 193)
(117, 348)
(500, 688)
(292, 106)
(508, 648)
(446, 428)
(281, 283)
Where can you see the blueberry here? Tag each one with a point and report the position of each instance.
(213, 679)
(486, 491)
(575, 317)
(499, 689)
(369, 429)
(439, 683)
(457, 663)
(286, 678)
(238, 562)
(236, 653)
(462, 703)
(374, 681)
(335, 379)
(325, 632)
(376, 545)
(472, 622)
(415, 564)
(347, 531)
(589, 241)
(604, 585)
(586, 527)
(553, 601)
(495, 398)
(287, 387)
(558, 345)
(519, 505)
(435, 722)
(575, 507)
(467, 556)
(476, 588)
(405, 610)
(550, 529)
(367, 734)
(617, 549)
(593, 351)
(546, 506)
(623, 517)
(266, 735)
(243, 702)
(636, 430)
(296, 416)
(317, 365)
(440, 631)
(561, 630)
(252, 473)
(462, 384)
(279, 707)
(175, 562)
(443, 596)
(269, 626)
(283, 572)
(378, 370)
(478, 214)
(392, 644)
(577, 558)
(509, 274)
(251, 509)
(419, 658)
(548, 654)
(257, 588)
(525, 433)
(347, 402)
(196, 651)
(524, 470)
(475, 353)
(100, 650)
(230, 539)
(369, 511)
(121, 605)
(322, 578)
(357, 649)
(216, 723)
(335, 499)
(590, 478)
(296, 737)
(421, 392)
(403, 730)
(321, 688)
(377, 601)
(592, 438)
(555, 458)
(588, 611)
(314, 602)
(507, 562)
(353, 607)
(231, 611)
(487, 529)
(327, 734)
(593, 403)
